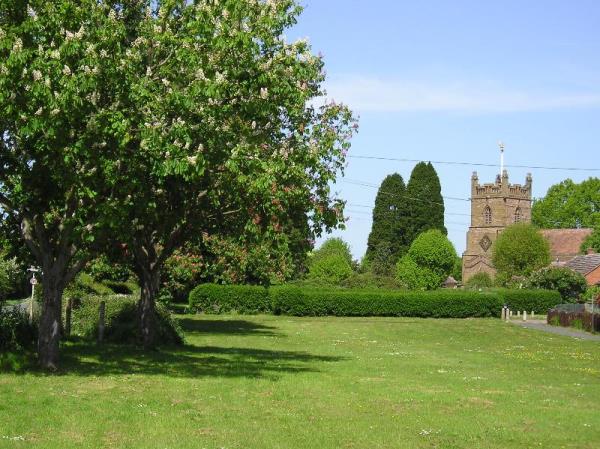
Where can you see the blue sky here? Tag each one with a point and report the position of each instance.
(446, 80)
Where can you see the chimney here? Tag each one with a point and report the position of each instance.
(591, 251)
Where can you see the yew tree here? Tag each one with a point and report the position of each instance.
(221, 133)
(57, 63)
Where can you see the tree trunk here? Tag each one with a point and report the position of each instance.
(150, 281)
(50, 322)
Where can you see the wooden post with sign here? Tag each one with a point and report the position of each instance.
(33, 283)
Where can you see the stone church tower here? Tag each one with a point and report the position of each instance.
(493, 208)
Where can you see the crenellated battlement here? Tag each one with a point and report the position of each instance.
(500, 188)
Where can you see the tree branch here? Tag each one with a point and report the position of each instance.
(75, 269)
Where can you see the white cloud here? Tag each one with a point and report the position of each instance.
(370, 94)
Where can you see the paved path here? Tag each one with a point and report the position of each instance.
(567, 331)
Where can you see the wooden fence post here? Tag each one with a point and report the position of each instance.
(101, 319)
(68, 317)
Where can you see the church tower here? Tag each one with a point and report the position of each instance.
(493, 208)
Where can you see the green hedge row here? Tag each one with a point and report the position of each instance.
(305, 301)
(214, 298)
(535, 300)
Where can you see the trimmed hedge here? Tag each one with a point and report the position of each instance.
(311, 301)
(215, 298)
(527, 300)
(434, 304)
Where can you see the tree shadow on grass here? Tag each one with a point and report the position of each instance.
(229, 327)
(188, 361)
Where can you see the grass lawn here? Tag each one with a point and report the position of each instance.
(280, 382)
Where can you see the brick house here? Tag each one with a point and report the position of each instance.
(588, 265)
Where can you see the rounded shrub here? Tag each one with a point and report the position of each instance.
(479, 280)
(413, 276)
(16, 332)
(122, 320)
(570, 284)
(433, 250)
(331, 247)
(519, 250)
(332, 270)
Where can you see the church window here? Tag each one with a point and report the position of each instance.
(518, 215)
(487, 215)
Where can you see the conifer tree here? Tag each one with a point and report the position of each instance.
(389, 220)
(425, 202)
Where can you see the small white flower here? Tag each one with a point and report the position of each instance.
(55, 54)
(200, 148)
(112, 15)
(18, 45)
(103, 53)
(165, 82)
(39, 111)
(139, 42)
(253, 124)
(264, 93)
(157, 29)
(66, 70)
(31, 12)
(54, 112)
(2, 33)
(80, 33)
(148, 71)
(192, 159)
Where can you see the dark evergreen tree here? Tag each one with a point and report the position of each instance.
(425, 202)
(389, 222)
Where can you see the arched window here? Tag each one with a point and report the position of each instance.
(518, 215)
(487, 215)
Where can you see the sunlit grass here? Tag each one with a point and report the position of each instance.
(281, 382)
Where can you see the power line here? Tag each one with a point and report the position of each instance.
(362, 212)
(373, 186)
(473, 164)
(371, 207)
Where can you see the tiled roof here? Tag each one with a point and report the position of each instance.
(565, 242)
(584, 264)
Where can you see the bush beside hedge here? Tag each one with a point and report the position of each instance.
(121, 320)
(311, 301)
